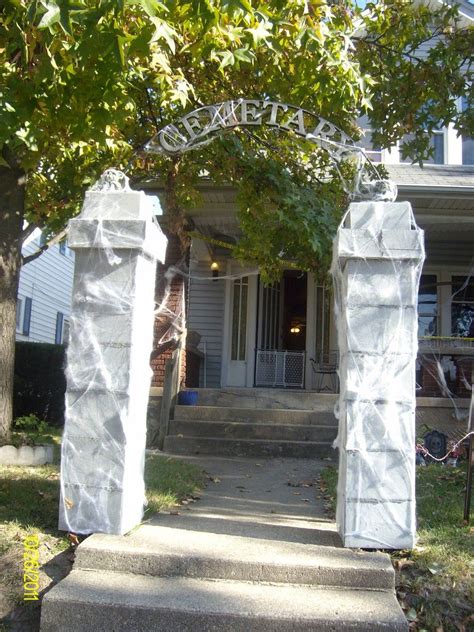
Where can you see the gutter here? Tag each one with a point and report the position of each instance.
(432, 190)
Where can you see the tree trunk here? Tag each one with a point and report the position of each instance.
(12, 200)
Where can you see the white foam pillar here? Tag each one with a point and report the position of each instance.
(116, 245)
(377, 258)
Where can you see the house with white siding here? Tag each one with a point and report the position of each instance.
(45, 293)
(246, 327)
(264, 359)
(252, 335)
(283, 336)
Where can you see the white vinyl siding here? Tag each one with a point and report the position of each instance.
(47, 281)
(206, 316)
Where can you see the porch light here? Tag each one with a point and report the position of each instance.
(295, 330)
(215, 269)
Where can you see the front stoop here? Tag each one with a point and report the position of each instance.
(118, 602)
(260, 424)
(191, 580)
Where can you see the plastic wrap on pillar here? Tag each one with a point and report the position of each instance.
(117, 244)
(377, 258)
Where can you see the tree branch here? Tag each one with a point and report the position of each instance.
(380, 47)
(151, 110)
(53, 241)
(28, 231)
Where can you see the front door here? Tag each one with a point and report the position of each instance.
(281, 342)
(270, 316)
(238, 357)
(237, 368)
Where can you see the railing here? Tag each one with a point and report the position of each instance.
(446, 345)
(280, 368)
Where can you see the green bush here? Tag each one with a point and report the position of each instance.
(40, 383)
(29, 430)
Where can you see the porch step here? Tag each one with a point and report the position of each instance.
(261, 431)
(232, 562)
(159, 551)
(256, 415)
(251, 430)
(105, 601)
(247, 447)
(266, 398)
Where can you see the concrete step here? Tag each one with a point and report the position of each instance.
(238, 430)
(119, 602)
(256, 415)
(248, 447)
(266, 398)
(167, 551)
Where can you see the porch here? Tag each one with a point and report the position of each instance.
(283, 336)
(278, 422)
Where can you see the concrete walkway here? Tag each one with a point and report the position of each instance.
(274, 499)
(254, 554)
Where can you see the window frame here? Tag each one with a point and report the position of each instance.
(375, 155)
(20, 306)
(238, 334)
(438, 330)
(470, 280)
(23, 315)
(429, 161)
(58, 336)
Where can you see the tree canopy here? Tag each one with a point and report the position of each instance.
(84, 83)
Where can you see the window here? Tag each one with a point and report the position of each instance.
(467, 143)
(436, 143)
(374, 152)
(62, 329)
(19, 314)
(23, 315)
(239, 319)
(58, 338)
(323, 321)
(65, 339)
(428, 306)
(62, 247)
(467, 150)
(462, 306)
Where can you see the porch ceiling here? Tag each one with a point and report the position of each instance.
(442, 197)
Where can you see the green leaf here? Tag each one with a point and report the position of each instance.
(227, 58)
(32, 10)
(260, 32)
(151, 7)
(120, 41)
(65, 18)
(52, 15)
(164, 31)
(243, 54)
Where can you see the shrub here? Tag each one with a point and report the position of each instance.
(29, 430)
(40, 383)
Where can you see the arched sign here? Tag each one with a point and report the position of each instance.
(202, 125)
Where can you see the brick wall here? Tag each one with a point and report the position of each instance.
(430, 381)
(169, 321)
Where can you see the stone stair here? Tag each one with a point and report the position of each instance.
(256, 553)
(255, 423)
(219, 582)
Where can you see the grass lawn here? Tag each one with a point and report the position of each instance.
(434, 581)
(29, 498)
